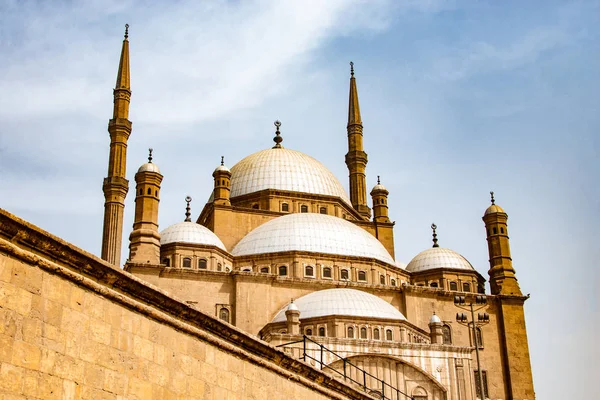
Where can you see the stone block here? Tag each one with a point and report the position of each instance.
(99, 331)
(26, 355)
(11, 378)
(26, 277)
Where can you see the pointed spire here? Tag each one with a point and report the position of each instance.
(188, 200)
(123, 74)
(277, 139)
(493, 200)
(353, 107)
(150, 150)
(435, 240)
(222, 160)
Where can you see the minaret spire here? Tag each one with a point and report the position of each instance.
(115, 185)
(356, 159)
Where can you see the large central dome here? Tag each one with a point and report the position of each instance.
(315, 233)
(284, 169)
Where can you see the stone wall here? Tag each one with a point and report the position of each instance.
(73, 326)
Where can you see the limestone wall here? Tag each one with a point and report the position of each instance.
(72, 326)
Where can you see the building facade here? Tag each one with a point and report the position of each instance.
(282, 253)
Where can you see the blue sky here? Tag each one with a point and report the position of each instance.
(457, 99)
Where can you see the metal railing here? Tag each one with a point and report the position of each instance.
(369, 382)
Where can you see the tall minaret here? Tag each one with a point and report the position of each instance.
(115, 185)
(356, 159)
(502, 273)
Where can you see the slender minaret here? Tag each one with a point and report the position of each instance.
(502, 273)
(356, 159)
(115, 185)
(144, 240)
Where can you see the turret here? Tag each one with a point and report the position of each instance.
(222, 189)
(435, 329)
(502, 273)
(292, 315)
(356, 159)
(144, 240)
(379, 194)
(115, 185)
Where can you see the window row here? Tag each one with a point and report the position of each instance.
(326, 272)
(285, 207)
(149, 192)
(361, 333)
(186, 262)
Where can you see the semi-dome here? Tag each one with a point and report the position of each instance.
(315, 233)
(438, 257)
(191, 233)
(284, 169)
(344, 302)
(149, 167)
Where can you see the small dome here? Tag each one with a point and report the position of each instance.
(438, 257)
(192, 233)
(149, 167)
(346, 302)
(284, 169)
(292, 307)
(222, 168)
(379, 187)
(494, 208)
(315, 233)
(435, 319)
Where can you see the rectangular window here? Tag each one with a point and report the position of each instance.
(478, 385)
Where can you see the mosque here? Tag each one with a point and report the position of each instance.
(283, 254)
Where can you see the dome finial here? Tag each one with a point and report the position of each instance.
(150, 150)
(378, 181)
(435, 240)
(493, 200)
(222, 160)
(351, 69)
(126, 31)
(277, 139)
(188, 200)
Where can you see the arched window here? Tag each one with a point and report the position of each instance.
(283, 270)
(479, 338)
(419, 393)
(344, 274)
(223, 182)
(393, 282)
(303, 208)
(350, 332)
(363, 333)
(322, 331)
(187, 262)
(156, 193)
(167, 261)
(376, 333)
(447, 334)
(255, 206)
(466, 287)
(382, 279)
(264, 270)
(224, 315)
(433, 284)
(495, 230)
(362, 276)
(389, 335)
(285, 207)
(323, 210)
(219, 267)
(453, 286)
(309, 332)
(202, 264)
(149, 191)
(501, 230)
(326, 272)
(309, 271)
